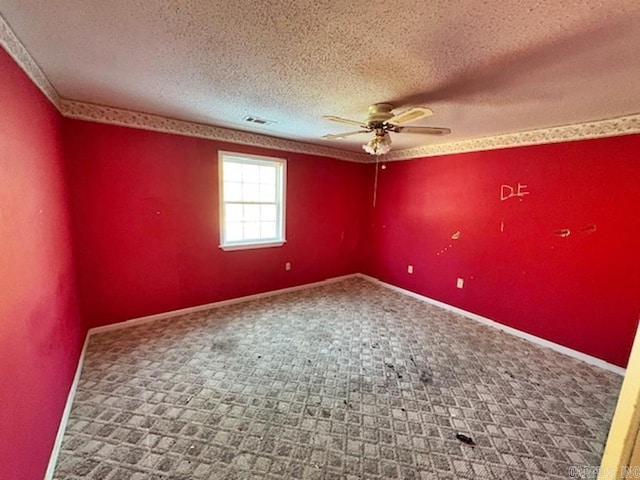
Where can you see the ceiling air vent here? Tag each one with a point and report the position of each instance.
(258, 120)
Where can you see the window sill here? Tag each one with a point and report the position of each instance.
(250, 246)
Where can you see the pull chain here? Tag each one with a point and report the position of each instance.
(375, 182)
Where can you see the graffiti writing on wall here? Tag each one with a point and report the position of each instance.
(508, 191)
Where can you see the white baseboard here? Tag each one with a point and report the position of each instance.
(152, 318)
(491, 323)
(53, 459)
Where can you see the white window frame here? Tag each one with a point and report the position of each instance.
(281, 168)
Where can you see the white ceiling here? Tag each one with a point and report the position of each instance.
(484, 67)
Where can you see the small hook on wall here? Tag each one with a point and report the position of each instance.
(564, 233)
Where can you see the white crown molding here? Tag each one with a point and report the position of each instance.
(145, 121)
(97, 113)
(14, 47)
(626, 125)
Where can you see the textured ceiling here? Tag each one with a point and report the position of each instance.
(484, 67)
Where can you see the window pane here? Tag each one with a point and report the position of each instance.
(250, 173)
(232, 192)
(251, 199)
(232, 172)
(250, 192)
(267, 193)
(233, 212)
(233, 232)
(252, 231)
(268, 213)
(252, 213)
(268, 229)
(267, 174)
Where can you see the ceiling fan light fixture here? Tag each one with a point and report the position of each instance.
(380, 122)
(378, 145)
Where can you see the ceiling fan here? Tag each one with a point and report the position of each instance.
(381, 121)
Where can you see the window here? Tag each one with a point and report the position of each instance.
(251, 201)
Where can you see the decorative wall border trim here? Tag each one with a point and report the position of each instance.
(625, 125)
(116, 116)
(14, 47)
(145, 121)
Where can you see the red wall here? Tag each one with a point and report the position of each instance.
(40, 330)
(145, 210)
(144, 223)
(581, 291)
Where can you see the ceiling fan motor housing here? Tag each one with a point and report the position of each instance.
(378, 114)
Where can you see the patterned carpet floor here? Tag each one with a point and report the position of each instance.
(349, 380)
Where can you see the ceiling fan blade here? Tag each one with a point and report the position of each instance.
(343, 120)
(424, 130)
(411, 115)
(338, 136)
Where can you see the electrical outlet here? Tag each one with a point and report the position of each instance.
(460, 283)
(410, 269)
(287, 266)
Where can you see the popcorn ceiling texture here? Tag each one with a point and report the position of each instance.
(487, 69)
(343, 381)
